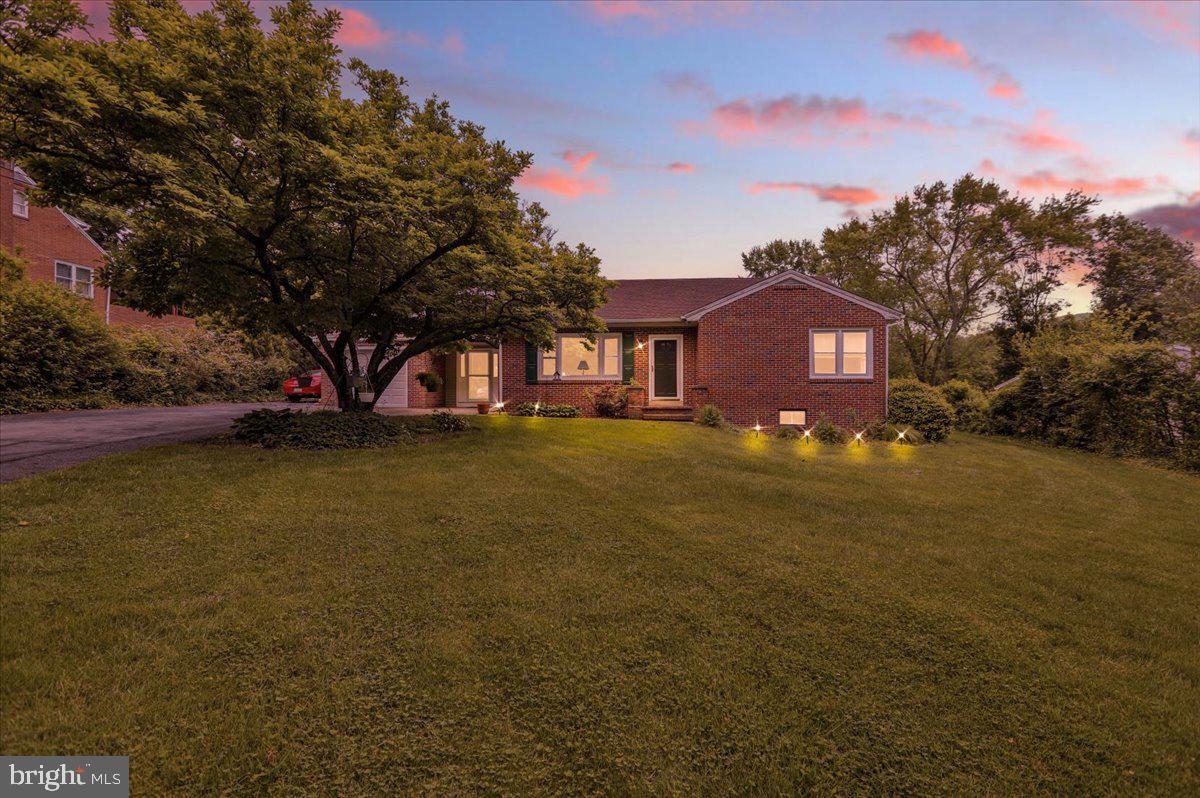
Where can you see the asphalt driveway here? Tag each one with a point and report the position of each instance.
(37, 442)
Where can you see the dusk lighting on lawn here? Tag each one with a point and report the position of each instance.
(858, 437)
(757, 428)
(900, 435)
(808, 435)
(498, 407)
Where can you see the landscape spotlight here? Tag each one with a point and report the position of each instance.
(757, 428)
(900, 435)
(808, 435)
(858, 437)
(498, 406)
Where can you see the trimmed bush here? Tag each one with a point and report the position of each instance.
(968, 405)
(913, 403)
(325, 429)
(826, 431)
(710, 416)
(609, 401)
(787, 433)
(545, 411)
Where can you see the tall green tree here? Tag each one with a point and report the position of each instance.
(1145, 273)
(781, 256)
(941, 255)
(244, 182)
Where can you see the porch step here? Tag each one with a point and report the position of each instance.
(667, 413)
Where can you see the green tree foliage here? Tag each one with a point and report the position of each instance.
(941, 254)
(1145, 273)
(1094, 386)
(781, 256)
(247, 184)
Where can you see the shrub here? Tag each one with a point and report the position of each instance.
(968, 406)
(913, 403)
(258, 426)
(787, 433)
(445, 421)
(609, 401)
(324, 429)
(890, 433)
(55, 352)
(826, 431)
(1094, 387)
(710, 416)
(546, 411)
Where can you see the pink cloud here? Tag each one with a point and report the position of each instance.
(681, 167)
(842, 195)
(1191, 141)
(1091, 181)
(1041, 136)
(660, 15)
(932, 45)
(1044, 181)
(811, 119)
(1177, 21)
(453, 44)
(1180, 220)
(563, 184)
(579, 160)
(360, 30)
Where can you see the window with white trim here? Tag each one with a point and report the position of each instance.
(840, 353)
(20, 206)
(76, 279)
(572, 358)
(793, 418)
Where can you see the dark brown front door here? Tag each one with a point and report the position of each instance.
(664, 355)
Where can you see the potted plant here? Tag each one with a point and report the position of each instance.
(431, 380)
(483, 408)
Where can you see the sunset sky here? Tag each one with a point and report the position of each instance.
(671, 137)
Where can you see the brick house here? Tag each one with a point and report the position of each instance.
(786, 349)
(57, 249)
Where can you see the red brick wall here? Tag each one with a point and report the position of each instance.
(48, 236)
(754, 358)
(574, 392)
(417, 395)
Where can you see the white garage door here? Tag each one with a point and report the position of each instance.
(396, 394)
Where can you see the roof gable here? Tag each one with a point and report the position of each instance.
(813, 281)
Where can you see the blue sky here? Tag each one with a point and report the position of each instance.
(783, 119)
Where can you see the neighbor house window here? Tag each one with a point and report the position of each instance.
(76, 279)
(793, 418)
(840, 353)
(20, 203)
(574, 358)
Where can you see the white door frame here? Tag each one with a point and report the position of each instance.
(678, 367)
(460, 375)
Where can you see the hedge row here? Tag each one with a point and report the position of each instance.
(57, 354)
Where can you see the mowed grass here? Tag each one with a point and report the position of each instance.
(552, 606)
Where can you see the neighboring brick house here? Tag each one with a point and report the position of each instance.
(786, 349)
(58, 249)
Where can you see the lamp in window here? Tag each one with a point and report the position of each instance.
(557, 376)
(583, 367)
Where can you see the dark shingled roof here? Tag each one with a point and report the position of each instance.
(669, 298)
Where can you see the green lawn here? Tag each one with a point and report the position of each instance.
(556, 606)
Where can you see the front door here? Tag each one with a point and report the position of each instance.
(477, 376)
(665, 363)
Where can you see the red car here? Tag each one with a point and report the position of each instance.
(306, 386)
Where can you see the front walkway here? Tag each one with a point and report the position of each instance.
(37, 442)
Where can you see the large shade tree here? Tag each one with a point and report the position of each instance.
(237, 178)
(944, 254)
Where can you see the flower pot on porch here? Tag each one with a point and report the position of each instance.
(483, 408)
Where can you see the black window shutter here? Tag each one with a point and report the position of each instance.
(531, 363)
(627, 344)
